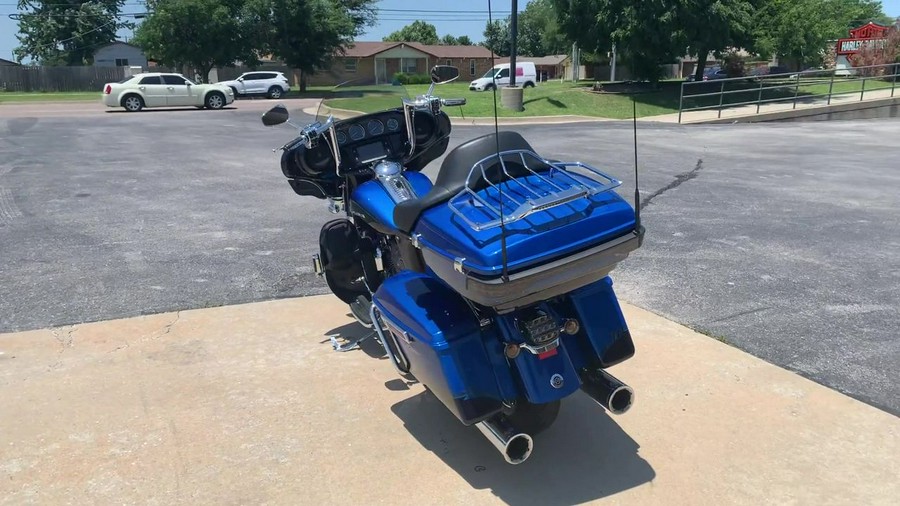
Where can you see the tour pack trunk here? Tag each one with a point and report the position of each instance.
(549, 251)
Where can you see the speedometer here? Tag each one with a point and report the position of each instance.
(342, 138)
(357, 132)
(393, 124)
(376, 127)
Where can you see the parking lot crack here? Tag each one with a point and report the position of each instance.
(63, 335)
(679, 179)
(168, 327)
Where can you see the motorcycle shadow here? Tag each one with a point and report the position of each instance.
(583, 456)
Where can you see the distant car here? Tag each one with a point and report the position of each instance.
(526, 75)
(268, 84)
(158, 89)
(710, 74)
(767, 72)
(810, 72)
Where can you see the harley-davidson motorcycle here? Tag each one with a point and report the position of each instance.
(491, 285)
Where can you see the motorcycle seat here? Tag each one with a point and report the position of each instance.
(451, 178)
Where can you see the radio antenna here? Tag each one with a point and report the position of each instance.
(637, 193)
(505, 273)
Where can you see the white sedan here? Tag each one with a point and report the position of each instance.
(158, 89)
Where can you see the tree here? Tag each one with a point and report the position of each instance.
(539, 32)
(308, 34)
(449, 40)
(714, 26)
(879, 54)
(418, 31)
(642, 31)
(801, 30)
(651, 33)
(497, 37)
(200, 33)
(56, 33)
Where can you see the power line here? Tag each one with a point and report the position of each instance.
(439, 11)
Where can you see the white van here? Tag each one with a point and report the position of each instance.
(526, 76)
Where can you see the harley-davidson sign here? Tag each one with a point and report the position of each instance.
(868, 35)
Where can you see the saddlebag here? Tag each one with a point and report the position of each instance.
(446, 347)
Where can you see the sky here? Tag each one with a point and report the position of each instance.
(459, 17)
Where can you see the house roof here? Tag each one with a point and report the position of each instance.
(555, 59)
(120, 43)
(363, 49)
(4, 61)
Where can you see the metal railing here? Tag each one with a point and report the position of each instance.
(795, 86)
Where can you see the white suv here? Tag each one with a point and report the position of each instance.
(270, 84)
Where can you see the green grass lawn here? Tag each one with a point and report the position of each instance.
(74, 96)
(547, 99)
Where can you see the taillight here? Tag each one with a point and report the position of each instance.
(107, 90)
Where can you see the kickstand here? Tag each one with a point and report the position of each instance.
(349, 345)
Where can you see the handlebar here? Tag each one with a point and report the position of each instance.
(449, 102)
(314, 130)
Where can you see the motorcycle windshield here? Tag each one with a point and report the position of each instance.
(360, 96)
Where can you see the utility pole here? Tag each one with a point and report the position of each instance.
(612, 70)
(513, 34)
(512, 96)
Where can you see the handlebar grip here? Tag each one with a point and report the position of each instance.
(453, 101)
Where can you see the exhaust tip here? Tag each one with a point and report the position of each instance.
(518, 449)
(621, 400)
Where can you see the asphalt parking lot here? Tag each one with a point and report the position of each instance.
(780, 239)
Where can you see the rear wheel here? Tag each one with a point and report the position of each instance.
(133, 103)
(528, 84)
(533, 419)
(215, 100)
(275, 92)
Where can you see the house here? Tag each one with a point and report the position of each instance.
(7, 63)
(377, 62)
(547, 67)
(120, 54)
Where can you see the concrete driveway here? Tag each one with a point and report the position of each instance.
(249, 405)
(781, 240)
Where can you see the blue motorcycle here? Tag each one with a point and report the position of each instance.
(489, 286)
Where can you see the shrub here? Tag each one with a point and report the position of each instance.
(734, 64)
(404, 78)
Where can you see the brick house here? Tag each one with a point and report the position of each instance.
(377, 62)
(547, 67)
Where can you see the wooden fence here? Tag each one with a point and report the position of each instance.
(47, 79)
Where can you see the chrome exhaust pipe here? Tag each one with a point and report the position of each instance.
(615, 396)
(515, 445)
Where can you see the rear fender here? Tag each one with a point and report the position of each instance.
(544, 377)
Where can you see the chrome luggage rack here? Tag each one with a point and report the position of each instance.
(558, 185)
